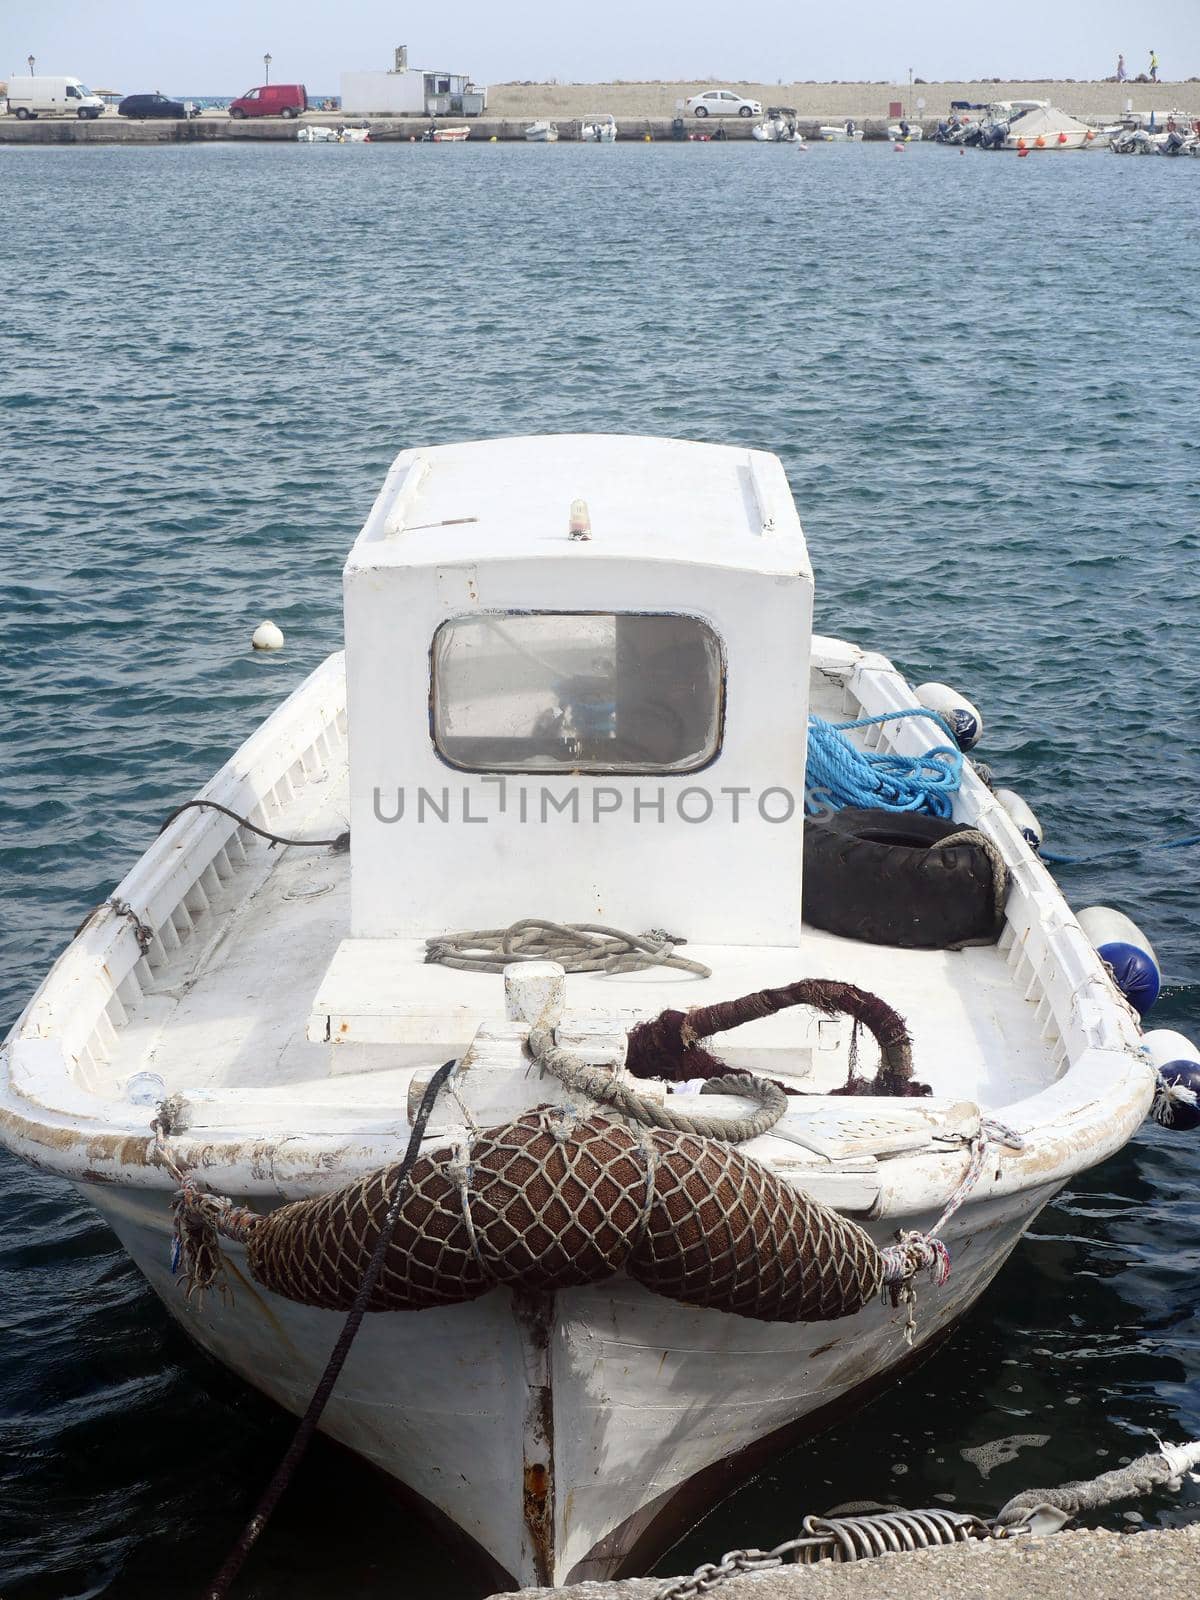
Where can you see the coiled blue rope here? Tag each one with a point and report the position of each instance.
(839, 774)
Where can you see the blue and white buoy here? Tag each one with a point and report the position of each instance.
(1026, 822)
(964, 718)
(1177, 1062)
(1122, 945)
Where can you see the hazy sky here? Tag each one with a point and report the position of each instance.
(216, 46)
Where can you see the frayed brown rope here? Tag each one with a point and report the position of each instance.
(666, 1046)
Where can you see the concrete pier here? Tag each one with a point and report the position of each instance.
(110, 130)
(1088, 1565)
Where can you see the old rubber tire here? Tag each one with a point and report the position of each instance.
(871, 875)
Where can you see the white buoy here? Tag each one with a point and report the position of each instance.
(267, 637)
(1026, 822)
(1125, 948)
(1164, 1044)
(963, 717)
(1177, 1063)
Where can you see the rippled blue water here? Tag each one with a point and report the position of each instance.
(979, 373)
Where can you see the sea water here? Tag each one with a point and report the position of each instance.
(980, 375)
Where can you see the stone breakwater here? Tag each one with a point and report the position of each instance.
(641, 110)
(209, 129)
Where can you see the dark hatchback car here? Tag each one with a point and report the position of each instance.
(151, 105)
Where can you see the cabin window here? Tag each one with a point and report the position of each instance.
(574, 692)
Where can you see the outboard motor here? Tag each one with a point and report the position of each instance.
(1173, 143)
(850, 129)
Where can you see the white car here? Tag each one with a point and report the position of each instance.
(722, 103)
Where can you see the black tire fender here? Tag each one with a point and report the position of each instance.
(874, 876)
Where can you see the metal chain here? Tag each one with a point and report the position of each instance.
(856, 1538)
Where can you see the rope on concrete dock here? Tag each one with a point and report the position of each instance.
(856, 1538)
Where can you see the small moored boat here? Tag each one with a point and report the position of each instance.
(542, 133)
(651, 1229)
(840, 133)
(437, 135)
(598, 128)
(1039, 127)
(779, 126)
(318, 134)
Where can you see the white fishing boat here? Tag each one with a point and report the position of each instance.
(542, 133)
(779, 126)
(1043, 127)
(1101, 138)
(318, 134)
(840, 132)
(587, 1325)
(904, 132)
(457, 135)
(598, 128)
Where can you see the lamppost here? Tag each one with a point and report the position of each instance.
(267, 66)
(30, 63)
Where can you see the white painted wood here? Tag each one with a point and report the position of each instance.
(676, 529)
(534, 993)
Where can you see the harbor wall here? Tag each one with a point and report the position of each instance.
(210, 128)
(641, 110)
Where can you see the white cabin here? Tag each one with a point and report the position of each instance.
(587, 726)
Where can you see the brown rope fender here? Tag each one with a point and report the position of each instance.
(551, 1201)
(667, 1046)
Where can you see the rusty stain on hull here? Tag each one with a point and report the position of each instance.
(534, 1316)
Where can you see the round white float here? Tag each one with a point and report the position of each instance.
(267, 637)
(964, 717)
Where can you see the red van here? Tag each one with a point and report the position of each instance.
(271, 100)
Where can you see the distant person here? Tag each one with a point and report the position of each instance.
(1121, 72)
(1153, 67)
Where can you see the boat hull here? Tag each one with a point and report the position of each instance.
(574, 1436)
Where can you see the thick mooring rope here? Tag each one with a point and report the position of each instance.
(576, 946)
(1165, 1466)
(668, 1046)
(608, 1091)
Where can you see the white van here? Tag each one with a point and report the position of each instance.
(52, 97)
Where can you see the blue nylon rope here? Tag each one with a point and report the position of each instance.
(839, 774)
(1121, 850)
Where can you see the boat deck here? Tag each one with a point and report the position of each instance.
(249, 1001)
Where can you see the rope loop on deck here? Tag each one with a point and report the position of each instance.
(668, 1046)
(576, 946)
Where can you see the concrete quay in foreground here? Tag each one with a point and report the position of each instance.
(1081, 1565)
